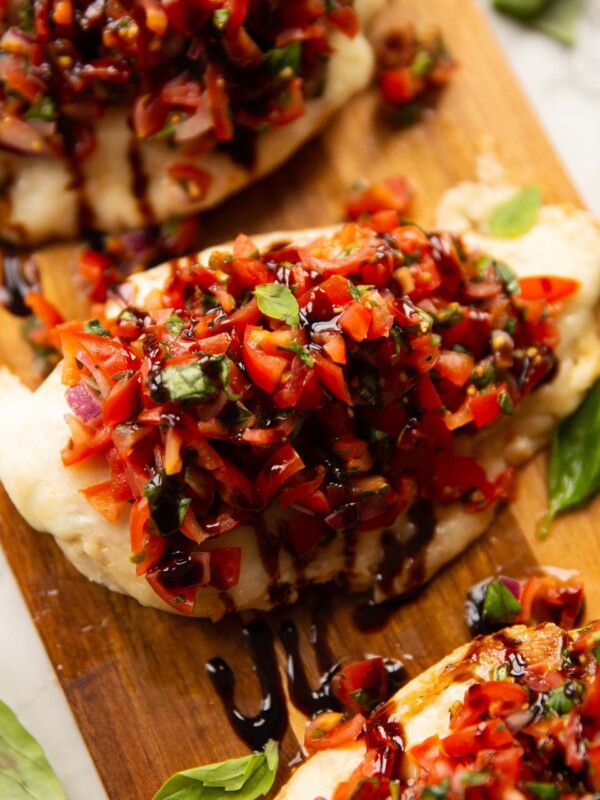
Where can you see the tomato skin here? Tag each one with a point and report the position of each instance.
(486, 407)
(393, 194)
(101, 498)
(278, 469)
(368, 677)
(550, 288)
(338, 735)
(225, 567)
(399, 86)
(264, 370)
(123, 401)
(455, 367)
(332, 377)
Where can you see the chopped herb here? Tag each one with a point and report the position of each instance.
(185, 383)
(484, 374)
(168, 504)
(516, 216)
(95, 327)
(543, 791)
(562, 699)
(474, 777)
(422, 63)
(218, 367)
(220, 18)
(43, 108)
(278, 302)
(449, 316)
(436, 792)
(506, 404)
(285, 60)
(499, 604)
(501, 672)
(175, 324)
(511, 325)
(596, 653)
(357, 290)
(507, 276)
(302, 352)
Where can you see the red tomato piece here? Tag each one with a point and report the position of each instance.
(332, 378)
(391, 194)
(360, 686)
(327, 731)
(550, 288)
(265, 370)
(355, 321)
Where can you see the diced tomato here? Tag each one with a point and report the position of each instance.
(100, 496)
(550, 288)
(360, 686)
(218, 103)
(265, 370)
(278, 469)
(327, 731)
(123, 400)
(485, 406)
(400, 85)
(225, 567)
(491, 734)
(355, 321)
(332, 378)
(393, 193)
(455, 367)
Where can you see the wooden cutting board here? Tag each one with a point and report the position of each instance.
(135, 677)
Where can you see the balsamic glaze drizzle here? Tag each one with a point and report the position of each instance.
(271, 721)
(18, 275)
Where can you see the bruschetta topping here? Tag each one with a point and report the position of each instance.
(332, 377)
(199, 74)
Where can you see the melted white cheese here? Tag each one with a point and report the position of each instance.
(47, 494)
(43, 202)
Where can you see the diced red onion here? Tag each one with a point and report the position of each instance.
(195, 126)
(512, 585)
(519, 720)
(83, 403)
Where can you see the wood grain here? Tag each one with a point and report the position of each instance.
(135, 677)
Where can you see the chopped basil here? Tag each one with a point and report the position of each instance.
(220, 18)
(43, 108)
(302, 352)
(285, 60)
(185, 383)
(175, 324)
(218, 367)
(364, 699)
(168, 504)
(562, 699)
(522, 9)
(357, 290)
(507, 276)
(25, 773)
(243, 778)
(505, 402)
(484, 374)
(574, 472)
(439, 792)
(278, 302)
(499, 604)
(128, 316)
(511, 325)
(501, 672)
(97, 328)
(422, 63)
(449, 316)
(26, 16)
(517, 215)
(474, 777)
(596, 653)
(543, 791)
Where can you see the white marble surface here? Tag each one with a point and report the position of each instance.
(564, 87)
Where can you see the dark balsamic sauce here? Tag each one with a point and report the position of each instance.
(18, 275)
(271, 721)
(139, 184)
(396, 557)
(308, 700)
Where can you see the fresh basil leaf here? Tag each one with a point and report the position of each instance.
(219, 367)
(43, 107)
(302, 352)
(474, 777)
(499, 604)
(559, 20)
(543, 791)
(97, 328)
(517, 215)
(562, 699)
(521, 9)
(168, 503)
(439, 792)
(243, 778)
(285, 59)
(574, 472)
(187, 382)
(357, 290)
(175, 325)
(278, 302)
(25, 773)
(507, 276)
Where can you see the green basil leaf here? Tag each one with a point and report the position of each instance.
(562, 699)
(187, 382)
(474, 777)
(43, 107)
(559, 20)
(521, 9)
(96, 327)
(175, 325)
(507, 276)
(168, 503)
(499, 604)
(25, 773)
(517, 215)
(243, 778)
(574, 472)
(278, 302)
(302, 352)
(285, 59)
(543, 791)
